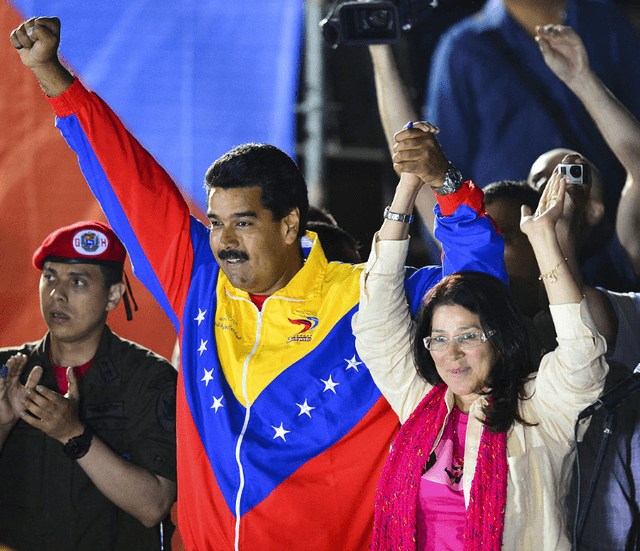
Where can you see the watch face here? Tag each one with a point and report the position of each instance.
(78, 447)
(452, 181)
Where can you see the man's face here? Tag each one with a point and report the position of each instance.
(543, 166)
(256, 253)
(74, 301)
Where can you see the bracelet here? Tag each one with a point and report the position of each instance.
(404, 218)
(551, 276)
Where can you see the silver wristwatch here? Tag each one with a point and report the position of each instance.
(452, 181)
(404, 218)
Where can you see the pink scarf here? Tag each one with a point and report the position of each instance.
(394, 527)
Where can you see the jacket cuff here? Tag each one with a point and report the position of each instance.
(469, 194)
(387, 257)
(68, 102)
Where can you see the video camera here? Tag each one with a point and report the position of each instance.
(356, 23)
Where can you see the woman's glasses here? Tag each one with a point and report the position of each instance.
(466, 340)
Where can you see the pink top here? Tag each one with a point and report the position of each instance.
(441, 510)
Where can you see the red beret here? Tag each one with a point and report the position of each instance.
(88, 242)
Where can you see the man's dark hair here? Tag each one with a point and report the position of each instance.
(267, 167)
(520, 192)
(112, 273)
(337, 244)
(319, 214)
(490, 299)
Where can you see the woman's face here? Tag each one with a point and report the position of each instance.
(464, 370)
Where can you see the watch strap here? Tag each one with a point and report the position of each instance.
(78, 446)
(396, 217)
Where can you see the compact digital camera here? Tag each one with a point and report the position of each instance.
(574, 172)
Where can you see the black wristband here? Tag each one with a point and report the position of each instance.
(78, 446)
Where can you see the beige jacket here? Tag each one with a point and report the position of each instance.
(540, 457)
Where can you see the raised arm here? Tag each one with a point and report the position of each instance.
(572, 376)
(395, 109)
(419, 159)
(142, 203)
(383, 325)
(540, 228)
(37, 42)
(566, 56)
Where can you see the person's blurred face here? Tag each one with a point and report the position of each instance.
(253, 250)
(519, 259)
(584, 206)
(543, 166)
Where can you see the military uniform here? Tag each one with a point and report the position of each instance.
(47, 502)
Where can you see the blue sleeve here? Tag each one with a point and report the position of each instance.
(470, 241)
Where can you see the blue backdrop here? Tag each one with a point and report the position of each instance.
(191, 79)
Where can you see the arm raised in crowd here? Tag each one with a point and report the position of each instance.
(419, 159)
(540, 229)
(395, 109)
(566, 56)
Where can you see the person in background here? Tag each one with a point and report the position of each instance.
(488, 75)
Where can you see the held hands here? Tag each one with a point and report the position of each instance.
(53, 414)
(418, 153)
(12, 392)
(564, 52)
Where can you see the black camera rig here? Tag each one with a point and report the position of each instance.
(355, 23)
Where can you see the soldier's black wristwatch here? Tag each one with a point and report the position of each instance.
(78, 446)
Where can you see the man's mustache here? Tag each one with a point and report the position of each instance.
(232, 254)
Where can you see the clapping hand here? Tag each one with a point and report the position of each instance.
(12, 391)
(52, 413)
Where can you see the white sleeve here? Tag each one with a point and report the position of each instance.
(383, 328)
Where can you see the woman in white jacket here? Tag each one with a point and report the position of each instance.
(484, 454)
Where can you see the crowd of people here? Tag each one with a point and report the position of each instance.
(324, 403)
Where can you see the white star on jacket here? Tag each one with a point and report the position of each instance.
(200, 316)
(203, 346)
(217, 403)
(280, 432)
(352, 363)
(208, 376)
(305, 408)
(329, 385)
